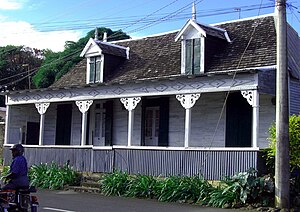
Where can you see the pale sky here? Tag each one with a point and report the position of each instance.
(49, 23)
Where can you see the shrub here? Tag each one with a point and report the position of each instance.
(52, 176)
(183, 189)
(294, 137)
(242, 188)
(114, 183)
(142, 186)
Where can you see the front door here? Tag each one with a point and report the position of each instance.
(99, 126)
(151, 126)
(238, 121)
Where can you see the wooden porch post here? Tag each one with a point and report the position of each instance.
(42, 108)
(187, 101)
(84, 106)
(253, 99)
(130, 104)
(7, 123)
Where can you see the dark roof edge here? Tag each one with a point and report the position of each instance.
(170, 77)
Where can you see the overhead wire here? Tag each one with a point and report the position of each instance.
(162, 19)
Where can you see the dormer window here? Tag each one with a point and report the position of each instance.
(195, 38)
(95, 69)
(192, 56)
(102, 60)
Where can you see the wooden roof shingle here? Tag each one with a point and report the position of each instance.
(160, 56)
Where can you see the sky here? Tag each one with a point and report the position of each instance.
(48, 24)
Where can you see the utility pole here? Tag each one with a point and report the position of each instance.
(29, 81)
(282, 168)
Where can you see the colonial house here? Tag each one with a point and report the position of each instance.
(195, 101)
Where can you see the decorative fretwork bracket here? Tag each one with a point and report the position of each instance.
(188, 100)
(130, 103)
(84, 105)
(249, 95)
(42, 107)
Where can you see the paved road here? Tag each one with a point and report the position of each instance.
(70, 201)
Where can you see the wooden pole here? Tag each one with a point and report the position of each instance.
(282, 169)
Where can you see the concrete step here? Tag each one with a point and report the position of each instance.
(91, 184)
(83, 189)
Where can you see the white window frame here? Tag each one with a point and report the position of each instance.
(183, 52)
(101, 58)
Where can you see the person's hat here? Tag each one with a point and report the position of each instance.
(18, 147)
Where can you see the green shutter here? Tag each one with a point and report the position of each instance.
(163, 137)
(108, 106)
(92, 69)
(98, 69)
(197, 56)
(188, 56)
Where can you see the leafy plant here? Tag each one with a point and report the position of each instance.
(294, 137)
(183, 189)
(242, 188)
(142, 186)
(52, 176)
(114, 183)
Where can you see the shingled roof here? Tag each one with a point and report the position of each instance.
(157, 57)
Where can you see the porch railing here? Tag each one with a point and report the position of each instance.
(212, 164)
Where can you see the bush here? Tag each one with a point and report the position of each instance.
(243, 188)
(52, 176)
(142, 186)
(294, 137)
(114, 183)
(183, 189)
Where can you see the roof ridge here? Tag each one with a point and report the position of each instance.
(244, 19)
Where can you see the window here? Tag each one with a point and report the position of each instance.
(95, 69)
(193, 56)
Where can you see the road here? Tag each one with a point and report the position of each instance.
(70, 201)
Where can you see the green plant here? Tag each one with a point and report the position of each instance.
(242, 188)
(114, 183)
(183, 189)
(142, 186)
(294, 137)
(52, 176)
(5, 170)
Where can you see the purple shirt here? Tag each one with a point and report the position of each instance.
(20, 170)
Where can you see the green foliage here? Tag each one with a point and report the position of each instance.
(142, 186)
(52, 176)
(242, 188)
(115, 183)
(183, 189)
(15, 63)
(294, 137)
(5, 170)
(57, 64)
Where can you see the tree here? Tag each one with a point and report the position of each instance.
(17, 63)
(57, 64)
(294, 136)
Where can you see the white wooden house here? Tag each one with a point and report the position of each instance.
(197, 100)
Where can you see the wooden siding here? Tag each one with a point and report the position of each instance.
(50, 125)
(205, 115)
(266, 118)
(294, 96)
(212, 164)
(293, 43)
(266, 82)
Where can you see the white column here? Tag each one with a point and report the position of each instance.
(187, 101)
(130, 104)
(7, 124)
(252, 97)
(42, 108)
(84, 106)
